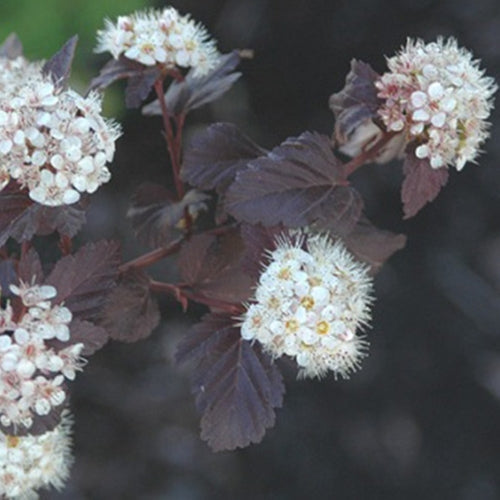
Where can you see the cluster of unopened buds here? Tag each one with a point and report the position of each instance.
(28, 463)
(160, 37)
(31, 370)
(53, 141)
(309, 303)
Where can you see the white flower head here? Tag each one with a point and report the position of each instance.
(29, 463)
(162, 37)
(53, 141)
(32, 368)
(438, 97)
(310, 301)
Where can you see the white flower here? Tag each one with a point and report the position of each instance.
(436, 95)
(310, 301)
(28, 463)
(46, 132)
(31, 370)
(160, 37)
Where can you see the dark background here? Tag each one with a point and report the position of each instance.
(420, 420)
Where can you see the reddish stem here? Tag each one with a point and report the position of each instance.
(152, 257)
(65, 244)
(183, 294)
(367, 155)
(173, 146)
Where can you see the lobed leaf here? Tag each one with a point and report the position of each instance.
(30, 267)
(156, 218)
(12, 47)
(298, 183)
(216, 155)
(92, 336)
(84, 280)
(116, 69)
(356, 102)
(236, 385)
(131, 313)
(421, 183)
(258, 240)
(193, 92)
(373, 245)
(139, 86)
(212, 267)
(59, 65)
(21, 218)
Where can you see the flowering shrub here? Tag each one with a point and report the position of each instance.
(283, 257)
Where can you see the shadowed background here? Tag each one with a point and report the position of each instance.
(420, 420)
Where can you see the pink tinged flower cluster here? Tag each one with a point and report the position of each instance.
(438, 97)
(29, 463)
(53, 141)
(160, 37)
(32, 370)
(309, 303)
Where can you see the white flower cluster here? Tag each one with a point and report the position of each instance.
(437, 95)
(160, 37)
(31, 371)
(308, 305)
(28, 463)
(53, 141)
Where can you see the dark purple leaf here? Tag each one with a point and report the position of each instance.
(216, 155)
(84, 280)
(139, 86)
(192, 92)
(8, 276)
(116, 69)
(59, 65)
(30, 267)
(212, 267)
(156, 218)
(236, 385)
(131, 312)
(421, 184)
(258, 241)
(92, 336)
(21, 218)
(298, 183)
(356, 102)
(12, 47)
(372, 245)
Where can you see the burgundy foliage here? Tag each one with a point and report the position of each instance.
(21, 218)
(131, 313)
(356, 102)
(157, 218)
(236, 385)
(373, 245)
(211, 266)
(299, 183)
(216, 155)
(193, 92)
(421, 184)
(140, 79)
(84, 280)
(59, 65)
